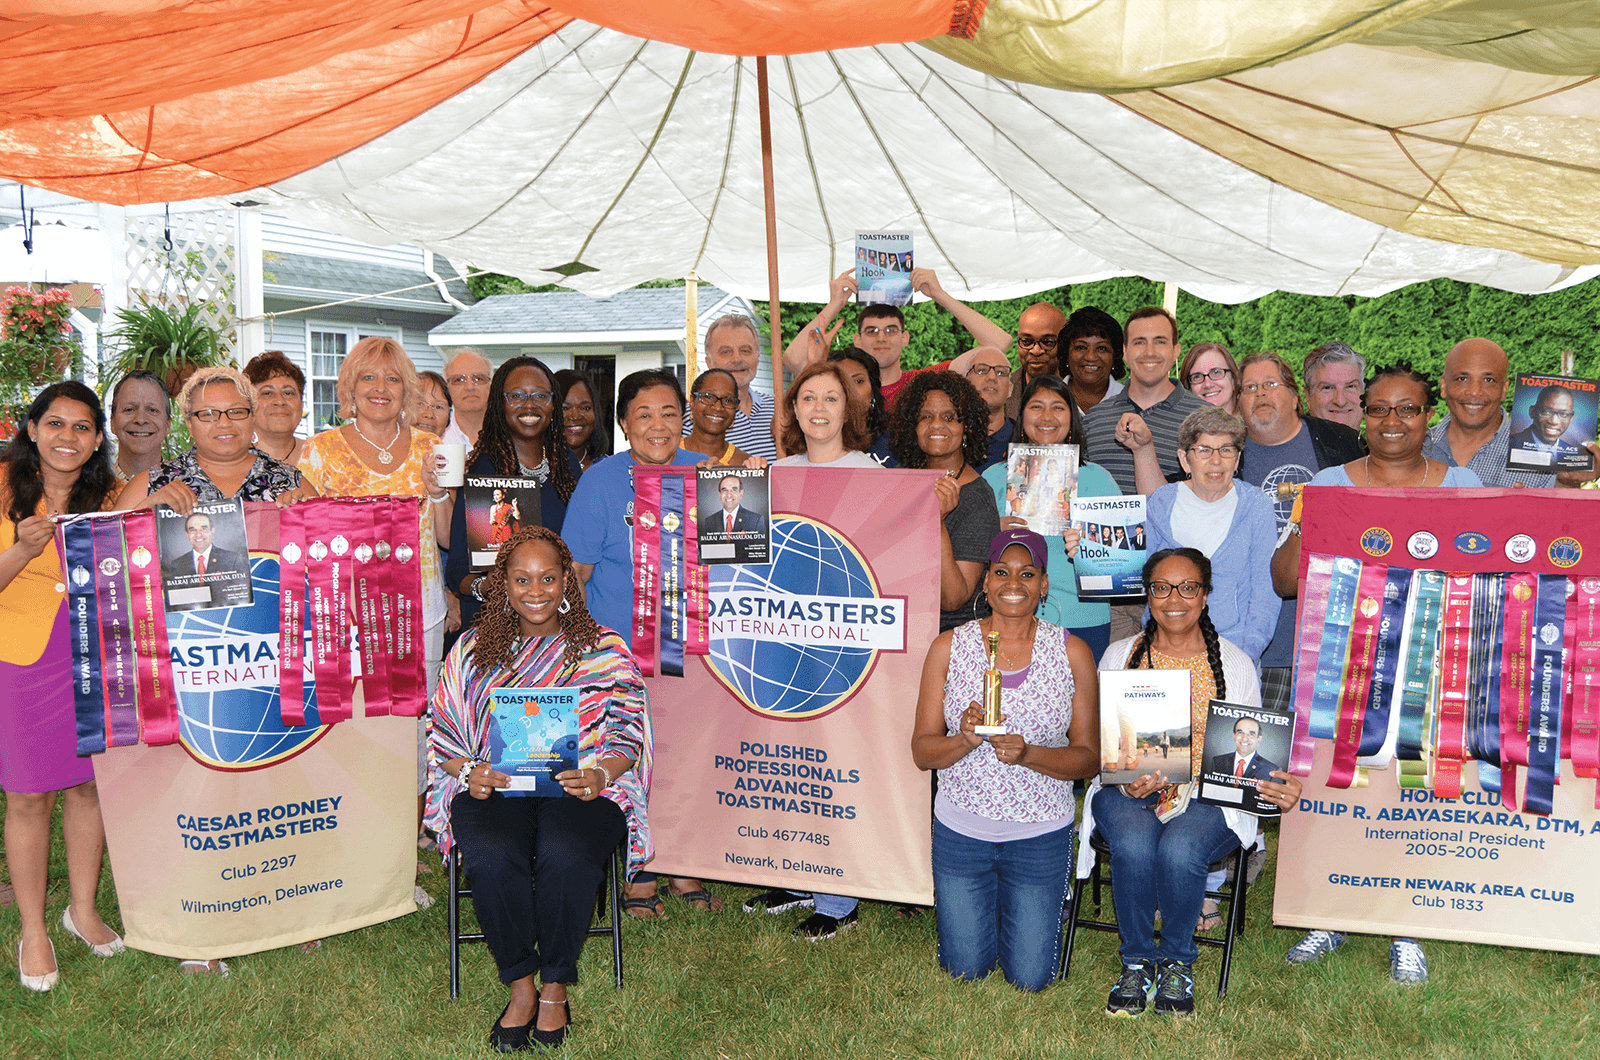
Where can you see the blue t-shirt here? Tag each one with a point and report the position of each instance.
(599, 531)
(1266, 466)
(1062, 606)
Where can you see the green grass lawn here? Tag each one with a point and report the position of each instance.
(732, 985)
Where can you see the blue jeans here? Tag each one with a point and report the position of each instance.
(1001, 902)
(1159, 866)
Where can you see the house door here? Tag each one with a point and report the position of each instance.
(603, 370)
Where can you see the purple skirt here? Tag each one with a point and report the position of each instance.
(38, 726)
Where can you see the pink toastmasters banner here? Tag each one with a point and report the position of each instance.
(784, 756)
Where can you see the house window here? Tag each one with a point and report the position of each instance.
(327, 354)
(326, 346)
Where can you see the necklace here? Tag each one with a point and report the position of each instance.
(1005, 657)
(538, 474)
(1424, 481)
(384, 457)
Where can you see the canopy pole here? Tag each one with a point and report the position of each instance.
(773, 312)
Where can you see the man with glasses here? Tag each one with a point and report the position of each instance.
(882, 331)
(467, 375)
(990, 373)
(1552, 414)
(1283, 445)
(734, 345)
(1038, 332)
(1334, 385)
(204, 559)
(1477, 432)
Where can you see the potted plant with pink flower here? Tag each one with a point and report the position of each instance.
(38, 345)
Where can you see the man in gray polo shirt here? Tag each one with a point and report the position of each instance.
(1134, 434)
(1477, 432)
(734, 345)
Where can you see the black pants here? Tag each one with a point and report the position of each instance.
(535, 865)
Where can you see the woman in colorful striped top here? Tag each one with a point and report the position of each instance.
(535, 632)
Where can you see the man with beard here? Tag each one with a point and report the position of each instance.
(1283, 446)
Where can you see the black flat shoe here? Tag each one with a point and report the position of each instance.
(511, 1039)
(551, 1039)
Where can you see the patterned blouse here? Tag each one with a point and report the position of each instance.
(1040, 710)
(267, 478)
(1202, 690)
(613, 719)
(330, 464)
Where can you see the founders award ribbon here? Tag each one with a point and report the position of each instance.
(646, 565)
(674, 595)
(1544, 705)
(118, 671)
(158, 700)
(76, 539)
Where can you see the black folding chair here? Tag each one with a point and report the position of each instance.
(460, 888)
(1233, 893)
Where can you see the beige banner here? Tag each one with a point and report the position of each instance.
(783, 759)
(217, 864)
(1384, 860)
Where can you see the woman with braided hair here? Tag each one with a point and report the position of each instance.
(535, 863)
(521, 438)
(1162, 843)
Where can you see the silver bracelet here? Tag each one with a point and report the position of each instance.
(466, 771)
(601, 766)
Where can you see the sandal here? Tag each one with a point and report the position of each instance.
(710, 902)
(204, 968)
(1210, 917)
(635, 907)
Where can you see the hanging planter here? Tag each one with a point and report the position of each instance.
(173, 342)
(37, 347)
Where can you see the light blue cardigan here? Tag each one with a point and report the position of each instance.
(1243, 605)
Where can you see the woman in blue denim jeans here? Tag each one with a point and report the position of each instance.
(1162, 843)
(1002, 829)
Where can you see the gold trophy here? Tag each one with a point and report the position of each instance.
(991, 693)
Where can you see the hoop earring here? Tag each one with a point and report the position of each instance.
(563, 607)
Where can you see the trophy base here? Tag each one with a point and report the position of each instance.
(989, 730)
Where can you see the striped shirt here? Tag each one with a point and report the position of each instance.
(750, 431)
(1489, 461)
(1163, 418)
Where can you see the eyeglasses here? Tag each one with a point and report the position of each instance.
(428, 406)
(1545, 412)
(1205, 452)
(462, 380)
(1269, 385)
(988, 369)
(1187, 590)
(892, 330)
(708, 398)
(1196, 378)
(529, 397)
(1382, 412)
(1043, 342)
(210, 415)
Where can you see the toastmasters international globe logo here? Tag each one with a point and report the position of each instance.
(225, 669)
(795, 638)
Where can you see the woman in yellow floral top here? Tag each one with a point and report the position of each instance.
(380, 453)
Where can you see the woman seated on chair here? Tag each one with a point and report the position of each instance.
(1002, 820)
(1162, 842)
(536, 863)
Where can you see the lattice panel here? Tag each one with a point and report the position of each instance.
(199, 266)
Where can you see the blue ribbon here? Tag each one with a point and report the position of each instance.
(674, 614)
(1544, 701)
(83, 617)
(1335, 646)
(1422, 655)
(1385, 661)
(120, 674)
(1483, 723)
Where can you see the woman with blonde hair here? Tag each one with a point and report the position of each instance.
(380, 453)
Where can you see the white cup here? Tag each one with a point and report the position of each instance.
(450, 463)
